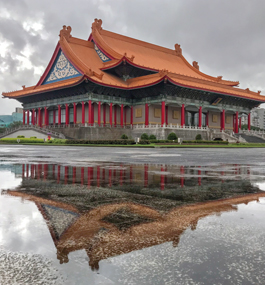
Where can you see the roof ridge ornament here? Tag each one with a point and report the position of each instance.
(97, 24)
(178, 50)
(66, 32)
(91, 73)
(196, 65)
(163, 72)
(219, 78)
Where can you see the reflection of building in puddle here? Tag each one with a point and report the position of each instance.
(146, 175)
(118, 228)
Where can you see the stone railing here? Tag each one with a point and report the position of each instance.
(87, 125)
(45, 131)
(169, 126)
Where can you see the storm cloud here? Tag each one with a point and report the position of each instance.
(225, 37)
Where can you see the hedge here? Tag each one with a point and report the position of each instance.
(121, 142)
(144, 142)
(206, 142)
(22, 140)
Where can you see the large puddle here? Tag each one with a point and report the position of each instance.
(121, 223)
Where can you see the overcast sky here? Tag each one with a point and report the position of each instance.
(226, 37)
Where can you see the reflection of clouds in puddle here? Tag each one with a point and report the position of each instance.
(260, 185)
(8, 180)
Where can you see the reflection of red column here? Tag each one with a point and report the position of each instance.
(27, 170)
(131, 115)
(103, 175)
(65, 174)
(163, 111)
(39, 170)
(121, 176)
(53, 171)
(74, 175)
(32, 171)
(146, 115)
(145, 175)
(99, 113)
(199, 178)
(131, 174)
(58, 173)
(82, 175)
(89, 176)
(83, 112)
(98, 176)
(162, 179)
(110, 178)
(182, 172)
(45, 170)
(23, 170)
(121, 115)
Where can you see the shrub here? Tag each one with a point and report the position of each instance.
(115, 142)
(22, 140)
(172, 137)
(59, 141)
(20, 137)
(198, 137)
(124, 137)
(144, 136)
(152, 137)
(33, 137)
(144, 142)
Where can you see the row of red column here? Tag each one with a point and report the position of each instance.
(113, 109)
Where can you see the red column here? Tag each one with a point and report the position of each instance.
(83, 112)
(104, 115)
(163, 112)
(66, 115)
(40, 119)
(89, 112)
(24, 115)
(236, 125)
(183, 115)
(33, 117)
(249, 123)
(121, 123)
(99, 113)
(200, 116)
(115, 115)
(146, 115)
(28, 117)
(54, 117)
(131, 115)
(110, 114)
(166, 115)
(59, 115)
(74, 113)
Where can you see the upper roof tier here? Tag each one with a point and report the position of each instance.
(75, 60)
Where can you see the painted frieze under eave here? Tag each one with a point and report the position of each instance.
(61, 69)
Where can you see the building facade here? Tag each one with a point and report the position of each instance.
(113, 81)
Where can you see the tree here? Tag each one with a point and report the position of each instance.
(15, 124)
(198, 137)
(124, 137)
(152, 137)
(144, 136)
(172, 137)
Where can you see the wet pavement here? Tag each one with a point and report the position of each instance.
(77, 215)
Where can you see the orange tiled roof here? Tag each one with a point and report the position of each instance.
(169, 64)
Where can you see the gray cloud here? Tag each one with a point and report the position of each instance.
(225, 37)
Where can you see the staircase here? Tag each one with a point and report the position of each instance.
(251, 138)
(35, 128)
